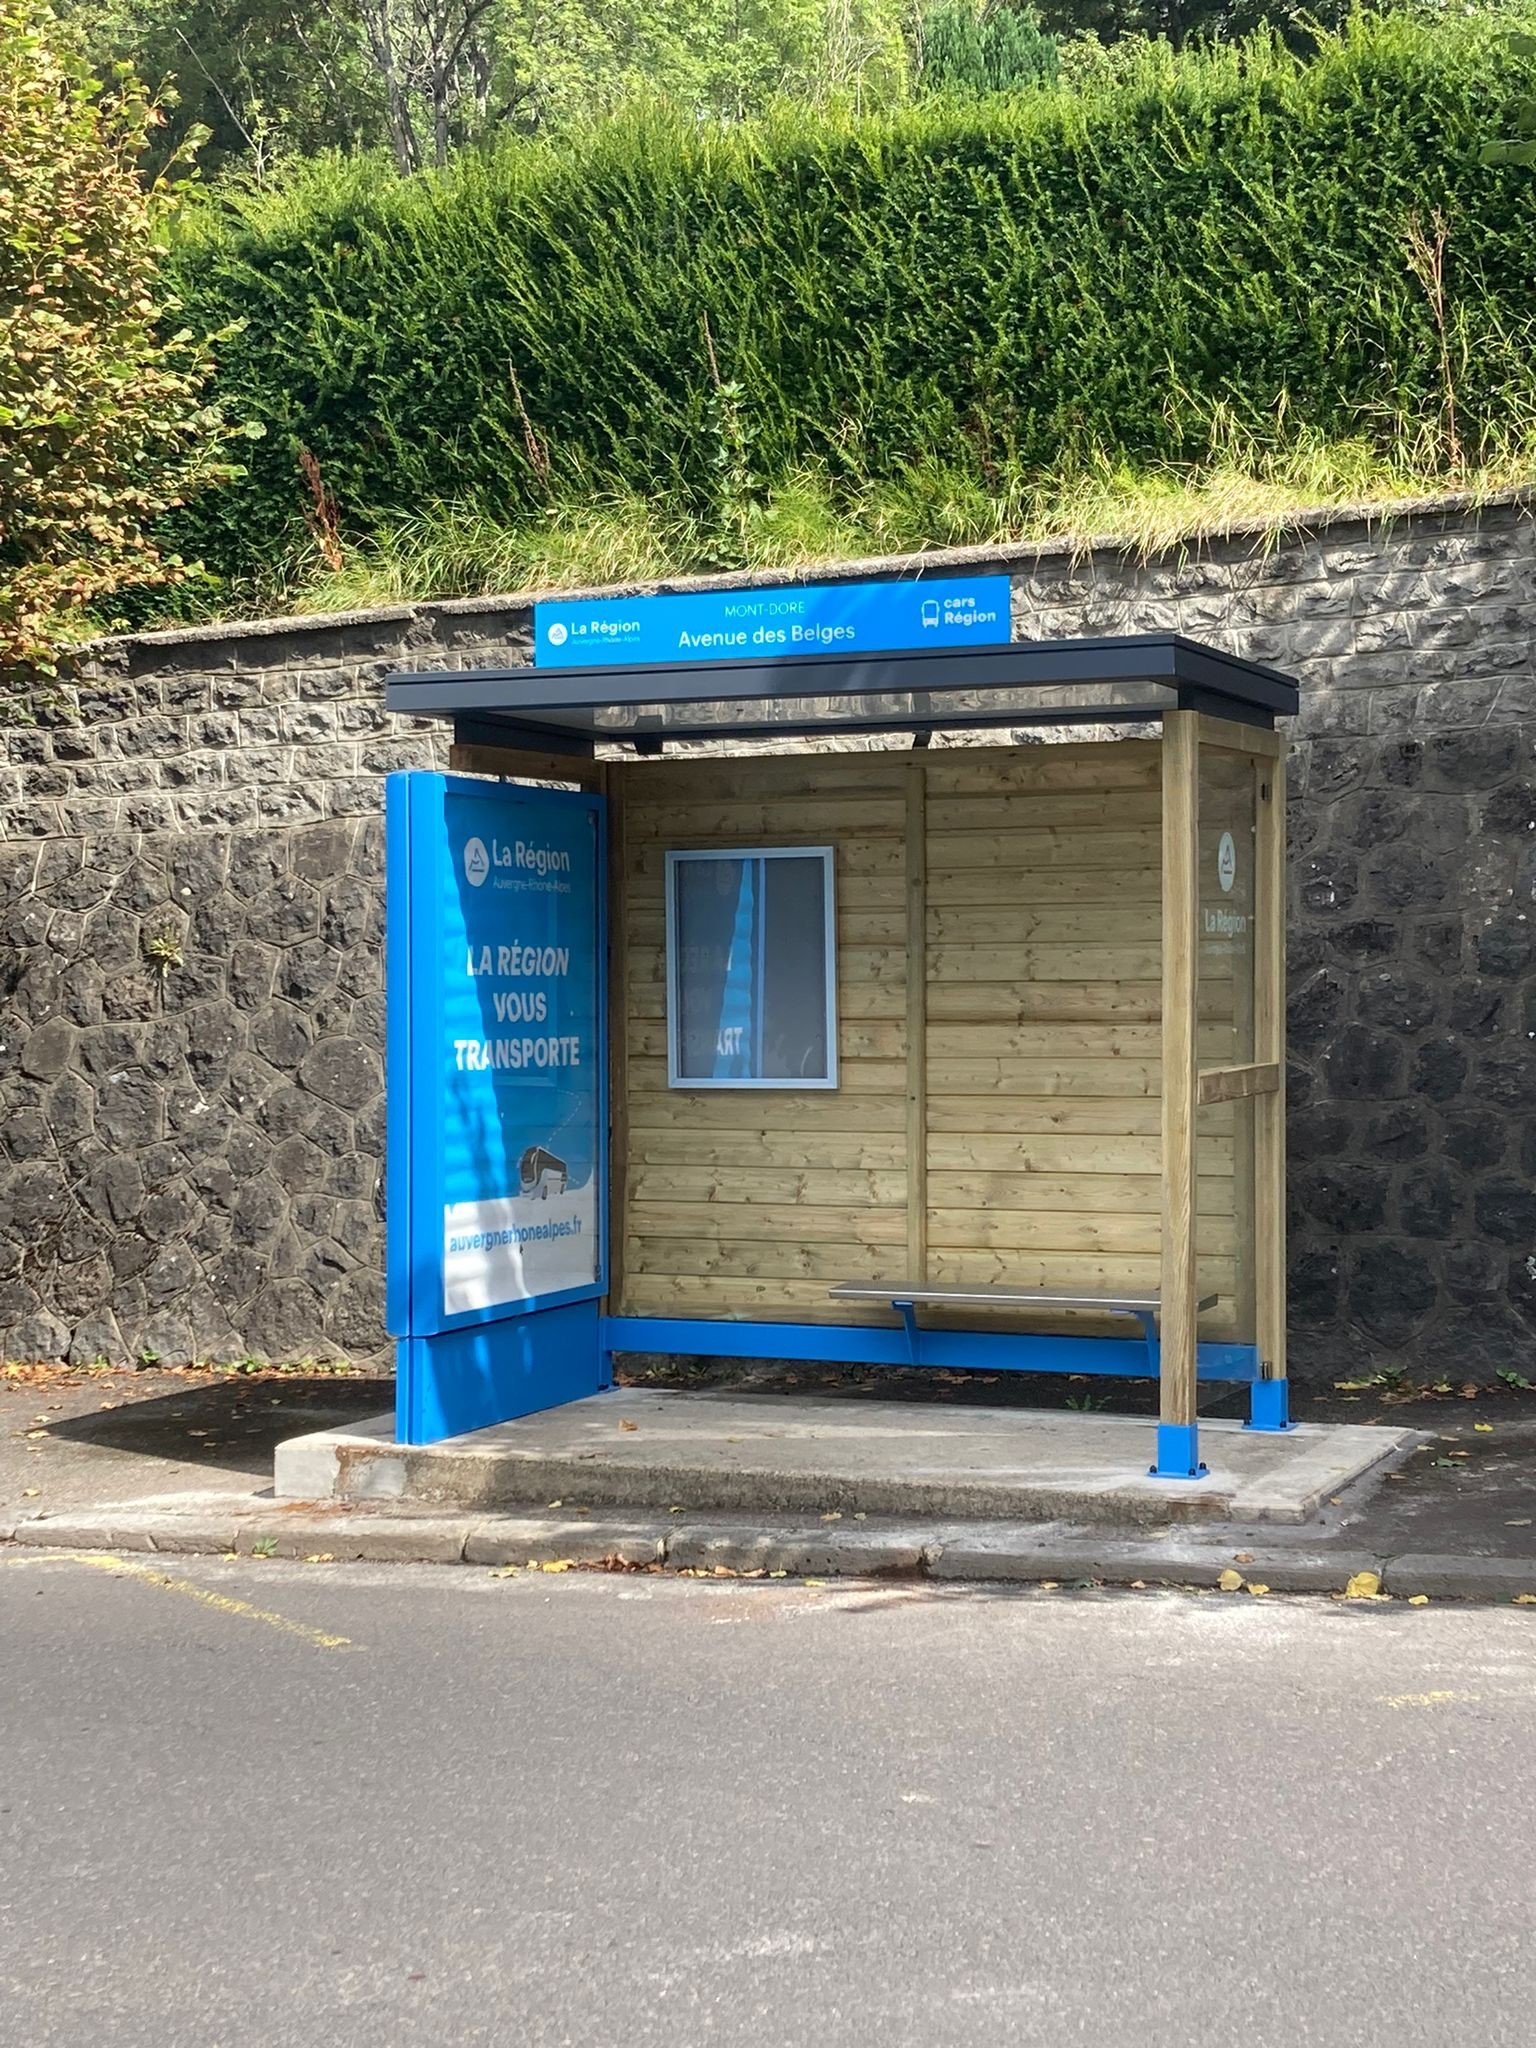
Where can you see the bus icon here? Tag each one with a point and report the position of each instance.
(540, 1173)
(930, 611)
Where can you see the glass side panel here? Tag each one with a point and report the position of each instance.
(1228, 797)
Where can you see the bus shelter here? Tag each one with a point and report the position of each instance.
(747, 997)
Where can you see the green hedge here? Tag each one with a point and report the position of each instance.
(1004, 287)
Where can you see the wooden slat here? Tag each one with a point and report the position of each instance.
(1037, 810)
(752, 1109)
(1181, 899)
(1058, 1153)
(1079, 962)
(754, 778)
(518, 764)
(812, 1188)
(842, 1151)
(618, 1053)
(1024, 923)
(1056, 765)
(1005, 885)
(1058, 1041)
(917, 1017)
(797, 1300)
(1262, 741)
(1234, 1084)
(1077, 1077)
(1023, 1115)
(1062, 1230)
(743, 824)
(1120, 1194)
(1078, 848)
(763, 1259)
(744, 1222)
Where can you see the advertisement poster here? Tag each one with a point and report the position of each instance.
(510, 1050)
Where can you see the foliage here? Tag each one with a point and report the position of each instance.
(942, 307)
(275, 81)
(102, 424)
(1519, 148)
(968, 51)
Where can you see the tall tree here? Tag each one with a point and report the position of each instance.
(102, 421)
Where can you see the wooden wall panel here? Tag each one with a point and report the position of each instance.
(1038, 1078)
(753, 1202)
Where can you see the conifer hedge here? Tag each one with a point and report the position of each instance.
(1005, 286)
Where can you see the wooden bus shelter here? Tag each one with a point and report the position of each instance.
(1051, 1136)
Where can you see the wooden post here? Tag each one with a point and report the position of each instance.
(917, 1017)
(1269, 1045)
(618, 1034)
(1178, 1455)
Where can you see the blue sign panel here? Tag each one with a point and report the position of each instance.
(769, 625)
(497, 1097)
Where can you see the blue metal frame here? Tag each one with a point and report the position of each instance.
(912, 1344)
(462, 1371)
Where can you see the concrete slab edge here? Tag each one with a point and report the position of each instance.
(978, 1553)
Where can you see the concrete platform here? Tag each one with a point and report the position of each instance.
(775, 1453)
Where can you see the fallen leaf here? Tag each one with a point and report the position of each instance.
(778, 1575)
(1049, 1585)
(674, 1511)
(1256, 1589)
(1362, 1586)
(554, 1503)
(555, 1564)
(1525, 1599)
(37, 1432)
(625, 1423)
(1418, 1599)
(320, 1557)
(506, 1571)
(30, 1492)
(835, 1516)
(1230, 1581)
(1483, 1428)
(815, 1582)
(1242, 1557)
(1138, 1585)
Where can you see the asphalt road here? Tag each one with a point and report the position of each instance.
(610, 1812)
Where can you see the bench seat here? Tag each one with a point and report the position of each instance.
(963, 1294)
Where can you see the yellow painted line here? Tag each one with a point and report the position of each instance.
(221, 1603)
(1429, 1699)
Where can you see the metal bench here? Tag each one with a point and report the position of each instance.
(1144, 1308)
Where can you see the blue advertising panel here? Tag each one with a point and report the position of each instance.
(497, 1094)
(767, 625)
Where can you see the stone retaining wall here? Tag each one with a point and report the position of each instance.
(190, 950)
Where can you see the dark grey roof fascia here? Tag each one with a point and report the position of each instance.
(541, 695)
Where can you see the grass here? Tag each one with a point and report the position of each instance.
(466, 550)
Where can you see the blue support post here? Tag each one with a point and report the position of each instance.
(1178, 1452)
(1269, 1407)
